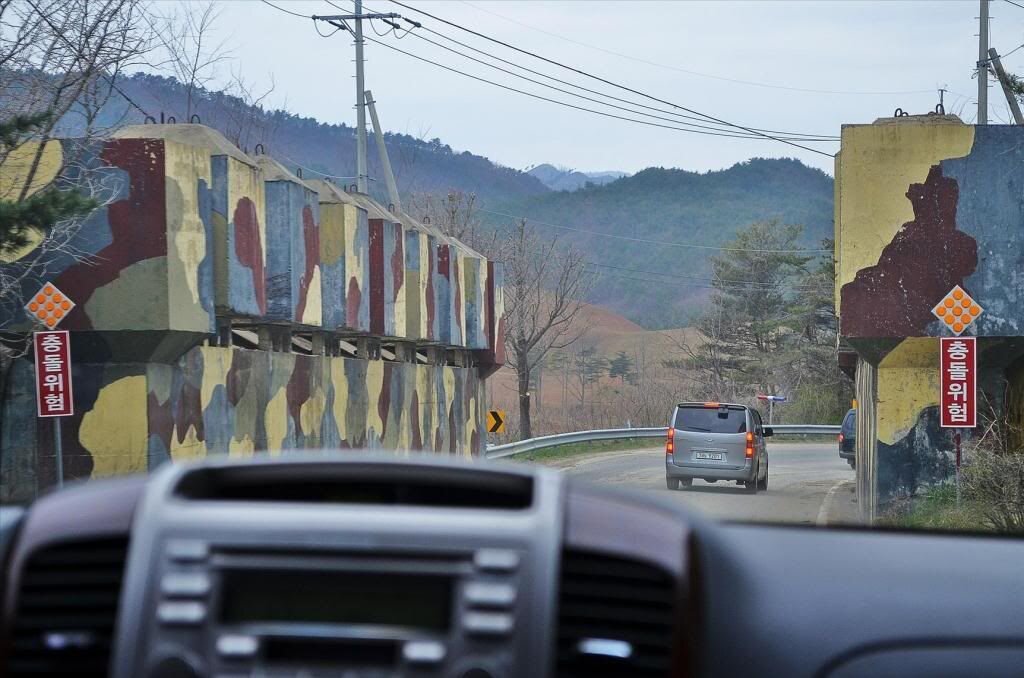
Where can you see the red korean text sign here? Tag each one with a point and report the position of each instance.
(53, 374)
(958, 363)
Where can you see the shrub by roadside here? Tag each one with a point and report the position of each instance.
(992, 498)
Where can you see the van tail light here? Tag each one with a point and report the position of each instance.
(750, 445)
(840, 438)
(670, 442)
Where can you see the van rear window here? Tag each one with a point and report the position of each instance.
(707, 420)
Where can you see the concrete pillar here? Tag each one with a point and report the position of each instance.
(405, 352)
(265, 339)
(866, 386)
(320, 343)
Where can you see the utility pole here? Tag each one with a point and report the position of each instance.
(1004, 82)
(983, 64)
(338, 21)
(385, 161)
(361, 103)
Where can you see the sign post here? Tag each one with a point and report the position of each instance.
(54, 394)
(772, 399)
(958, 369)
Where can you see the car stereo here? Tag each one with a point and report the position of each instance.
(369, 587)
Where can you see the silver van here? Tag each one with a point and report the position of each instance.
(716, 441)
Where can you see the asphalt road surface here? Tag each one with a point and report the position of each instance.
(808, 484)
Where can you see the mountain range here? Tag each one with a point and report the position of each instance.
(564, 179)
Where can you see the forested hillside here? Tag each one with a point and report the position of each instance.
(422, 166)
(663, 285)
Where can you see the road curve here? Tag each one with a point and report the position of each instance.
(808, 484)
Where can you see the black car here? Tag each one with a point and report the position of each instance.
(848, 438)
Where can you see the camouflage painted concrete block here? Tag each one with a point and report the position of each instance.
(293, 247)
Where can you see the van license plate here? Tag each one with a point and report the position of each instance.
(714, 456)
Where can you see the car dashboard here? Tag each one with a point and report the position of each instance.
(379, 566)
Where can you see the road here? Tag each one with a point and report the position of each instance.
(808, 484)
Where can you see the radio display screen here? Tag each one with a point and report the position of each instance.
(315, 597)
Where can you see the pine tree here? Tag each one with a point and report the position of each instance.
(39, 211)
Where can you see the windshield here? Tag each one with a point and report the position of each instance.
(201, 258)
(710, 420)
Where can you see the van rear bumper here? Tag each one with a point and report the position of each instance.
(683, 470)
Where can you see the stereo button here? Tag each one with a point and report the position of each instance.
(490, 595)
(487, 623)
(185, 584)
(185, 612)
(237, 646)
(187, 550)
(423, 652)
(499, 560)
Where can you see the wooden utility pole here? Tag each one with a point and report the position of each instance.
(1004, 81)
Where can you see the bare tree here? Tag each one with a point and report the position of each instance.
(54, 54)
(544, 287)
(189, 50)
(241, 116)
(59, 49)
(456, 215)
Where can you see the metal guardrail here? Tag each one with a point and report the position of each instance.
(543, 442)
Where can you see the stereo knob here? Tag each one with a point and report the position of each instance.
(176, 667)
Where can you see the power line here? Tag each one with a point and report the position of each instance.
(723, 288)
(1015, 4)
(1003, 56)
(604, 103)
(806, 137)
(752, 283)
(723, 133)
(696, 73)
(582, 108)
(287, 11)
(663, 243)
(609, 82)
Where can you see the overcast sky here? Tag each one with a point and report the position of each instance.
(888, 54)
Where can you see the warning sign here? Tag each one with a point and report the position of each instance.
(958, 363)
(49, 306)
(53, 374)
(496, 421)
(957, 310)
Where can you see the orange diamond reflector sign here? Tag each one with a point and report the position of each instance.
(957, 310)
(49, 306)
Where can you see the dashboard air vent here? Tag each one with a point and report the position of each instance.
(614, 618)
(66, 607)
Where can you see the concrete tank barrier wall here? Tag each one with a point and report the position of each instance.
(922, 204)
(132, 417)
(201, 252)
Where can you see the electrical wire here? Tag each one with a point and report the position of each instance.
(791, 135)
(1003, 56)
(581, 108)
(610, 82)
(696, 73)
(734, 135)
(752, 283)
(1015, 4)
(287, 11)
(604, 103)
(662, 280)
(663, 243)
(327, 35)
